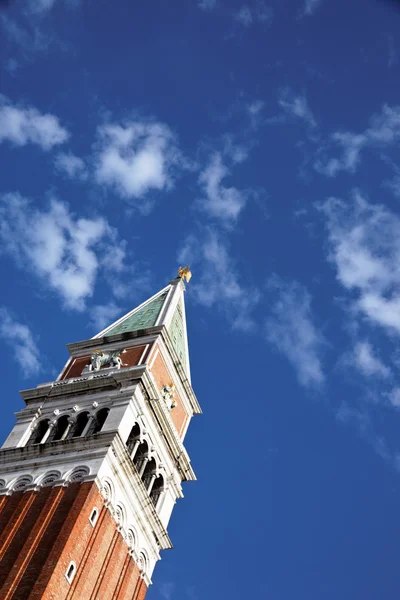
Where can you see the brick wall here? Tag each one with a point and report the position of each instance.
(42, 532)
(162, 377)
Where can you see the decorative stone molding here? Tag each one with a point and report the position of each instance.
(48, 479)
(21, 483)
(78, 474)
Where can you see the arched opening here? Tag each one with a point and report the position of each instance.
(80, 425)
(149, 474)
(61, 429)
(100, 419)
(39, 433)
(141, 457)
(133, 441)
(157, 490)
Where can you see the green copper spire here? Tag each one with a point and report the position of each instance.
(177, 334)
(166, 308)
(144, 317)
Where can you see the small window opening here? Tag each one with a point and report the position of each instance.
(39, 433)
(61, 429)
(101, 417)
(94, 515)
(70, 573)
(81, 423)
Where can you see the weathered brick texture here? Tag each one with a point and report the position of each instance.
(42, 532)
(163, 377)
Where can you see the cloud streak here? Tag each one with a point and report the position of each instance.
(136, 158)
(21, 125)
(64, 251)
(384, 131)
(364, 247)
(220, 201)
(20, 338)
(219, 283)
(290, 329)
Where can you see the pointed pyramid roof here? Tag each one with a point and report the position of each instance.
(167, 307)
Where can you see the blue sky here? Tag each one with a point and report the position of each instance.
(258, 142)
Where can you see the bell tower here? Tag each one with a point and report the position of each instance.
(91, 471)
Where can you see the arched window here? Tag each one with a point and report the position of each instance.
(100, 419)
(39, 433)
(141, 457)
(133, 442)
(61, 429)
(81, 422)
(149, 474)
(157, 490)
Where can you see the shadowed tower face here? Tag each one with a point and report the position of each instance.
(93, 467)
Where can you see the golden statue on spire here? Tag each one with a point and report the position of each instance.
(185, 273)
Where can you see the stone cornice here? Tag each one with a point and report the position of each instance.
(54, 453)
(142, 336)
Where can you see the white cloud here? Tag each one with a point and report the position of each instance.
(41, 7)
(221, 202)
(254, 110)
(136, 158)
(19, 337)
(217, 282)
(383, 131)
(364, 243)
(167, 589)
(310, 6)
(207, 4)
(291, 330)
(23, 125)
(351, 145)
(260, 12)
(65, 251)
(244, 16)
(73, 166)
(103, 315)
(367, 362)
(394, 397)
(296, 106)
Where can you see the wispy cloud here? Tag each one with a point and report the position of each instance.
(310, 6)
(221, 202)
(65, 251)
(296, 105)
(136, 158)
(207, 4)
(167, 589)
(260, 12)
(102, 315)
(367, 362)
(72, 166)
(384, 130)
(22, 125)
(364, 247)
(20, 338)
(291, 329)
(218, 283)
